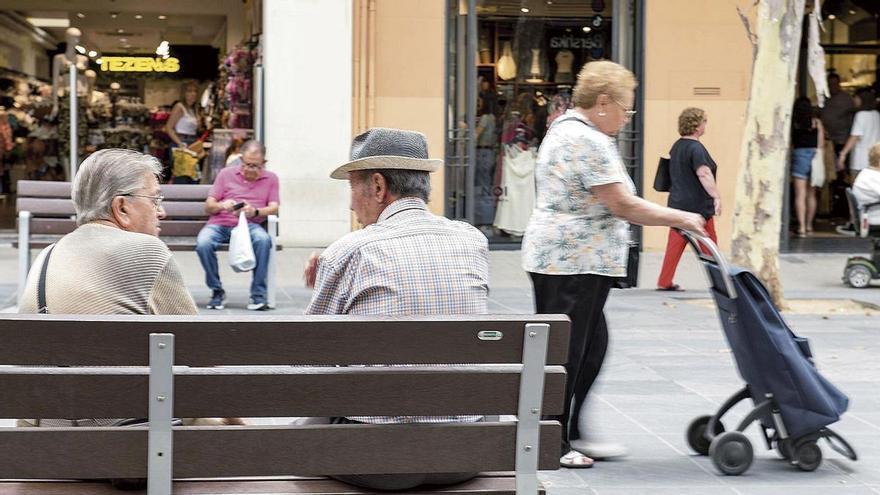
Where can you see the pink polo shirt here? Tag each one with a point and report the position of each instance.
(230, 184)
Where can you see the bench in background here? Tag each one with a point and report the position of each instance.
(45, 213)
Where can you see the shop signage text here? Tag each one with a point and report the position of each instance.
(139, 64)
(576, 42)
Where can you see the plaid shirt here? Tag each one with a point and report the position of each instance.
(410, 262)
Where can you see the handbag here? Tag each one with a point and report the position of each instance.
(42, 307)
(184, 163)
(662, 181)
(241, 251)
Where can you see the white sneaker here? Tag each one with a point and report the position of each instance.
(600, 450)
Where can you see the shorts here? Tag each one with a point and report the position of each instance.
(802, 162)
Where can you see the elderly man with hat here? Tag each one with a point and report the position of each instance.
(405, 261)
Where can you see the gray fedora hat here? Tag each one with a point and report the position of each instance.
(383, 148)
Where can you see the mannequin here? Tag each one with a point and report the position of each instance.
(564, 60)
(535, 69)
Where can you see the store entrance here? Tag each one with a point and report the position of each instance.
(132, 66)
(511, 66)
(851, 40)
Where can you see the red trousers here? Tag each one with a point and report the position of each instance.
(675, 245)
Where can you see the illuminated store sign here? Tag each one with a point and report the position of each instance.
(139, 64)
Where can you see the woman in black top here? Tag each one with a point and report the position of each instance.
(693, 188)
(806, 136)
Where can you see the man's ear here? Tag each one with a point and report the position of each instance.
(378, 187)
(119, 209)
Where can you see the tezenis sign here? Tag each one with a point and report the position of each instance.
(139, 64)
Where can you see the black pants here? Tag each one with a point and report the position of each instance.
(582, 298)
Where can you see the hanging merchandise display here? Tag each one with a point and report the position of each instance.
(240, 68)
(564, 60)
(518, 189)
(506, 64)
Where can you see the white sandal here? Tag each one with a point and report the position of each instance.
(575, 460)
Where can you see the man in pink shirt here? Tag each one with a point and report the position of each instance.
(246, 187)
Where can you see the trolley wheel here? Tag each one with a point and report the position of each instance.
(731, 453)
(807, 456)
(696, 434)
(857, 276)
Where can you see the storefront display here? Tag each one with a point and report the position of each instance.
(526, 67)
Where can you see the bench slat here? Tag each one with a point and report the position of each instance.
(93, 453)
(51, 226)
(45, 206)
(186, 192)
(276, 392)
(481, 485)
(42, 189)
(122, 340)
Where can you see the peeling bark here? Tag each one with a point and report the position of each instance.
(764, 150)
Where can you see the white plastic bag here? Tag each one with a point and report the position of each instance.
(241, 251)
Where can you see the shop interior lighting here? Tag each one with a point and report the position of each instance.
(832, 16)
(162, 17)
(852, 12)
(93, 54)
(81, 49)
(114, 15)
(123, 40)
(99, 61)
(120, 30)
(587, 29)
(524, 10)
(80, 15)
(49, 22)
(138, 16)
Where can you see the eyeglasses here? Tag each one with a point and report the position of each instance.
(252, 165)
(156, 200)
(629, 113)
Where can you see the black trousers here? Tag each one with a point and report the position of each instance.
(582, 298)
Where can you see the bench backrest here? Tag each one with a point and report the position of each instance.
(52, 209)
(63, 367)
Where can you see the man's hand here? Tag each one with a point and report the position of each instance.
(310, 271)
(228, 205)
(841, 163)
(717, 207)
(692, 222)
(249, 210)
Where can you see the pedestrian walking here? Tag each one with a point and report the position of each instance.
(576, 244)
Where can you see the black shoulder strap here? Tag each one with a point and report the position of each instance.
(572, 118)
(41, 285)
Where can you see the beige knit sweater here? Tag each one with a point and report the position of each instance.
(99, 269)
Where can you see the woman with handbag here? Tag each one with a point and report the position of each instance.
(692, 188)
(807, 136)
(183, 127)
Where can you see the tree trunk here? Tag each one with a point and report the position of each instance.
(764, 151)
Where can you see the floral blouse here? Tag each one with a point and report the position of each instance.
(570, 231)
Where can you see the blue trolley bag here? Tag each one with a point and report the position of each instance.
(772, 359)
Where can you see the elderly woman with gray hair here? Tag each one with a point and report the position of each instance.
(577, 240)
(114, 262)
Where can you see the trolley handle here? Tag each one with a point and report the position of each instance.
(695, 240)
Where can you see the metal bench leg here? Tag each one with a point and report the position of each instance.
(160, 444)
(24, 251)
(272, 277)
(531, 398)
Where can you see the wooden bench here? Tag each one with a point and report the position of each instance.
(45, 213)
(68, 367)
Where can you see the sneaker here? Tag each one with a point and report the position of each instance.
(217, 299)
(600, 450)
(257, 304)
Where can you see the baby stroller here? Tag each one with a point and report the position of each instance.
(793, 403)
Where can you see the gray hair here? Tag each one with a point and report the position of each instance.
(403, 183)
(106, 174)
(253, 145)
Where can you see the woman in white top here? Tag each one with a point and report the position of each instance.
(864, 134)
(866, 187)
(183, 124)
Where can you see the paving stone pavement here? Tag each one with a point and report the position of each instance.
(668, 362)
